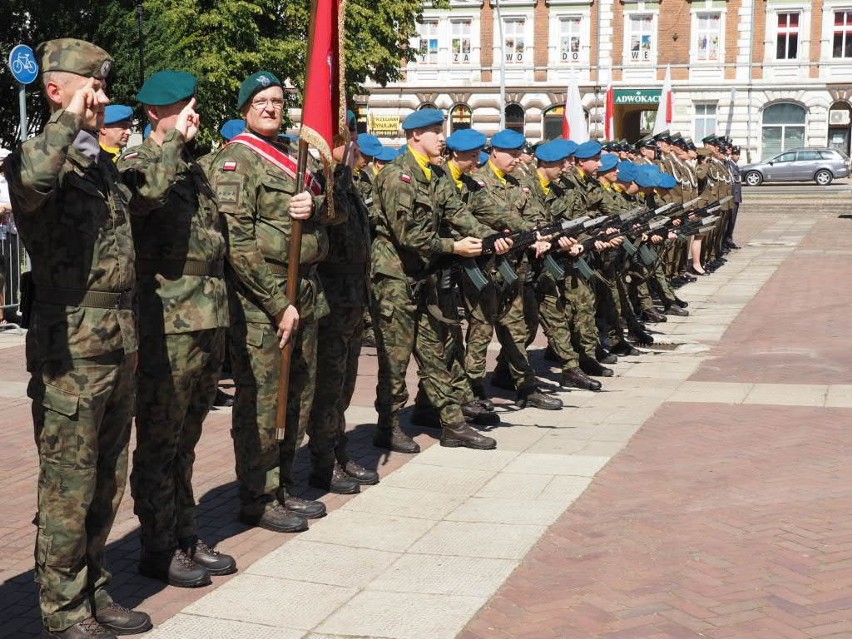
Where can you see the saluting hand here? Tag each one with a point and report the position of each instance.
(88, 100)
(188, 121)
(301, 206)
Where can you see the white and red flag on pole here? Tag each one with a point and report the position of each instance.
(609, 114)
(574, 126)
(664, 109)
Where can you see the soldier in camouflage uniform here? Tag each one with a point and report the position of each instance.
(71, 212)
(415, 198)
(183, 318)
(258, 196)
(502, 202)
(345, 279)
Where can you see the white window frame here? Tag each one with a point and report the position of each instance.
(787, 31)
(628, 37)
(697, 15)
(511, 54)
(832, 30)
(423, 58)
(579, 31)
(704, 117)
(453, 22)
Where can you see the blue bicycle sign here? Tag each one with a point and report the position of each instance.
(23, 64)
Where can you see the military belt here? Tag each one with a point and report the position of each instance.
(92, 299)
(215, 268)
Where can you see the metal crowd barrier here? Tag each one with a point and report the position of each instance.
(14, 261)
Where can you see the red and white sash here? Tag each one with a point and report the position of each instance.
(278, 158)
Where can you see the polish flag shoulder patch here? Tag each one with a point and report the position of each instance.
(130, 156)
(405, 178)
(481, 183)
(229, 166)
(525, 189)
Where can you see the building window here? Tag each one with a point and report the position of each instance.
(787, 37)
(843, 34)
(513, 35)
(642, 38)
(783, 128)
(461, 38)
(705, 120)
(460, 118)
(429, 42)
(553, 118)
(708, 33)
(515, 118)
(569, 39)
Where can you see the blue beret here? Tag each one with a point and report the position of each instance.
(588, 150)
(569, 145)
(626, 171)
(483, 158)
(609, 161)
(369, 144)
(117, 113)
(647, 176)
(508, 139)
(466, 140)
(351, 120)
(423, 118)
(386, 154)
(667, 181)
(167, 87)
(552, 151)
(232, 128)
(254, 83)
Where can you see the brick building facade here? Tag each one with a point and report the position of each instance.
(772, 74)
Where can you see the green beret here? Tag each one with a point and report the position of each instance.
(254, 83)
(167, 87)
(74, 56)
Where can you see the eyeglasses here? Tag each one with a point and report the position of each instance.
(275, 103)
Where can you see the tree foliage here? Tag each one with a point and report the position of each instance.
(219, 41)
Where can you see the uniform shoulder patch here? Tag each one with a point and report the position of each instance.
(228, 193)
(405, 178)
(481, 183)
(525, 189)
(130, 156)
(229, 165)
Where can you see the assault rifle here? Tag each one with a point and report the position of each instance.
(522, 240)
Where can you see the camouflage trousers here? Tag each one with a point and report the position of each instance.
(580, 307)
(553, 315)
(176, 385)
(81, 416)
(404, 328)
(337, 371)
(511, 330)
(264, 465)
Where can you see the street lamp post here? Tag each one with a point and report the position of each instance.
(502, 66)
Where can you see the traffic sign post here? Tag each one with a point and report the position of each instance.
(24, 68)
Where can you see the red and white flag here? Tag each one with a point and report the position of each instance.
(664, 109)
(574, 126)
(324, 99)
(609, 114)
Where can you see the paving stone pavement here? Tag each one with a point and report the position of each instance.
(692, 498)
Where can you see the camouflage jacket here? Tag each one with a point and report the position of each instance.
(254, 196)
(504, 205)
(363, 181)
(411, 210)
(589, 194)
(72, 216)
(345, 271)
(176, 228)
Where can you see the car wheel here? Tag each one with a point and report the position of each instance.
(753, 178)
(823, 177)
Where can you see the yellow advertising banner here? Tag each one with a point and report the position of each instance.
(385, 125)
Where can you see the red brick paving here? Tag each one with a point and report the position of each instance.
(718, 521)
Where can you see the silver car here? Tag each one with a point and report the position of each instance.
(821, 165)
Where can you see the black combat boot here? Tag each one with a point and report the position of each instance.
(463, 436)
(334, 480)
(86, 629)
(426, 416)
(551, 356)
(502, 378)
(592, 367)
(653, 316)
(674, 309)
(604, 356)
(123, 621)
(533, 397)
(624, 348)
(478, 389)
(215, 562)
(392, 437)
(475, 413)
(276, 518)
(307, 508)
(174, 567)
(360, 474)
(575, 378)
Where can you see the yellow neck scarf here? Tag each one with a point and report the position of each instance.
(423, 162)
(456, 172)
(500, 175)
(545, 184)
